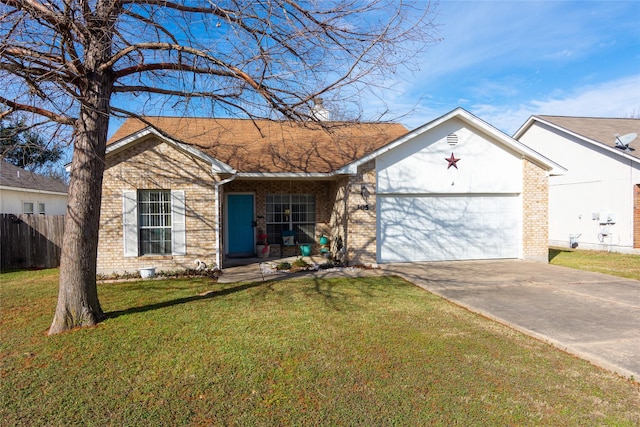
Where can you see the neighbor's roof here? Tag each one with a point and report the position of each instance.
(601, 130)
(17, 178)
(264, 146)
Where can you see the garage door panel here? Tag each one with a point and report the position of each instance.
(448, 228)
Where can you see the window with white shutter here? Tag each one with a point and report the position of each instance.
(178, 231)
(130, 223)
(154, 222)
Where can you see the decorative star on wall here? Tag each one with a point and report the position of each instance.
(452, 161)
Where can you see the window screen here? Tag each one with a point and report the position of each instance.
(154, 209)
(291, 212)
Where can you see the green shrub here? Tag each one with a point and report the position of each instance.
(299, 262)
(284, 265)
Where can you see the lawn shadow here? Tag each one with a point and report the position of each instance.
(334, 296)
(202, 296)
(322, 286)
(554, 252)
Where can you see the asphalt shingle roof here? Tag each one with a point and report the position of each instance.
(272, 146)
(603, 130)
(15, 177)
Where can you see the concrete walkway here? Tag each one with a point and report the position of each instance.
(593, 316)
(253, 270)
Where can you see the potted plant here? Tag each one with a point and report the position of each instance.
(262, 244)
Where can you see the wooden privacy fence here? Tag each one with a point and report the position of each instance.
(30, 241)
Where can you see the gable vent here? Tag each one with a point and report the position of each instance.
(452, 139)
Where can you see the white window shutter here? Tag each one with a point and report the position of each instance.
(130, 222)
(178, 229)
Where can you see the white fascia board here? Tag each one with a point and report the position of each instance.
(599, 144)
(32, 190)
(117, 146)
(216, 165)
(524, 127)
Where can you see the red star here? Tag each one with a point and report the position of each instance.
(452, 161)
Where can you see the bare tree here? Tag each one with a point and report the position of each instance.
(78, 62)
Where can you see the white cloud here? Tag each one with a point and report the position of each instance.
(617, 98)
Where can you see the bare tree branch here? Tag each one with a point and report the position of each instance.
(76, 63)
(35, 110)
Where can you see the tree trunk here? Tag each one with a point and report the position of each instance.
(78, 303)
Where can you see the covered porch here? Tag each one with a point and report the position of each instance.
(295, 217)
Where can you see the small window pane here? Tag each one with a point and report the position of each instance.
(155, 221)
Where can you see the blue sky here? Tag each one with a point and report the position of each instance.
(507, 60)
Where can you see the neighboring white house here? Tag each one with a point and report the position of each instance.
(24, 192)
(596, 204)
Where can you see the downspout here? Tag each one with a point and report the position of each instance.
(216, 207)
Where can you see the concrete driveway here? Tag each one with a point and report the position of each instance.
(591, 315)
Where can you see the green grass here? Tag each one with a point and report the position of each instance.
(615, 264)
(369, 351)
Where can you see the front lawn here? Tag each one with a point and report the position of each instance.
(369, 351)
(613, 263)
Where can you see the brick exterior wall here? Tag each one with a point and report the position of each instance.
(360, 239)
(338, 223)
(636, 216)
(151, 165)
(535, 216)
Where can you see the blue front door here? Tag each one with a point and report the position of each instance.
(240, 224)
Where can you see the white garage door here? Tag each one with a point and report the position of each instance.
(423, 228)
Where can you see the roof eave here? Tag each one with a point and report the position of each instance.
(524, 127)
(527, 152)
(352, 168)
(33, 190)
(598, 144)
